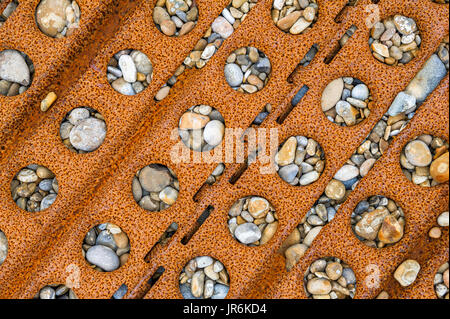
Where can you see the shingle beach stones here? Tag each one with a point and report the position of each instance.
(55, 291)
(16, 72)
(175, 17)
(58, 18)
(294, 16)
(106, 247)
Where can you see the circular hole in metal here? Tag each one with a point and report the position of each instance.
(300, 161)
(378, 222)
(329, 278)
(395, 40)
(424, 160)
(175, 18)
(345, 101)
(34, 188)
(204, 277)
(83, 130)
(129, 71)
(252, 221)
(247, 70)
(56, 291)
(294, 16)
(106, 247)
(58, 18)
(201, 128)
(155, 187)
(16, 72)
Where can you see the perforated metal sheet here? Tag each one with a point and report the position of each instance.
(96, 187)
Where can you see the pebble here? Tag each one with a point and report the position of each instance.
(175, 17)
(439, 168)
(247, 233)
(233, 74)
(347, 172)
(213, 133)
(88, 134)
(14, 68)
(3, 247)
(286, 154)
(103, 257)
(335, 190)
(443, 219)
(154, 179)
(407, 272)
(370, 224)
(128, 68)
(222, 27)
(55, 16)
(402, 103)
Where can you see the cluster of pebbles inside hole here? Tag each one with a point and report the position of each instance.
(204, 278)
(252, 221)
(155, 187)
(56, 291)
(345, 101)
(294, 16)
(330, 278)
(441, 282)
(106, 247)
(300, 160)
(34, 188)
(175, 17)
(58, 18)
(3, 247)
(83, 130)
(425, 160)
(201, 128)
(247, 70)
(395, 41)
(129, 72)
(16, 72)
(378, 222)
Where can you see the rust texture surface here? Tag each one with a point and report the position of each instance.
(96, 187)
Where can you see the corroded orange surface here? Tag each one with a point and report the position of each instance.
(96, 187)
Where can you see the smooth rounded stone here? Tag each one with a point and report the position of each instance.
(47, 201)
(268, 232)
(185, 290)
(404, 24)
(128, 68)
(377, 30)
(293, 254)
(193, 121)
(347, 172)
(90, 237)
(435, 232)
(27, 176)
(204, 261)
(288, 173)
(197, 283)
(258, 207)
(427, 79)
(141, 62)
(332, 94)
(88, 134)
(318, 266)
(77, 115)
(288, 21)
(106, 239)
(366, 166)
(46, 185)
(3, 247)
(148, 204)
(331, 212)
(222, 27)
(51, 16)
(154, 179)
(309, 178)
(209, 271)
(64, 130)
(309, 238)
(103, 257)
(335, 190)
(136, 189)
(47, 293)
(349, 276)
(168, 27)
(218, 266)
(208, 52)
(347, 112)
(391, 230)
(380, 48)
(418, 153)
(403, 102)
(159, 15)
(286, 154)
(44, 172)
(13, 67)
(247, 233)
(220, 291)
(213, 132)
(360, 92)
(233, 74)
(439, 168)
(370, 223)
(300, 26)
(278, 4)
(123, 87)
(443, 219)
(318, 286)
(263, 65)
(208, 289)
(168, 195)
(407, 272)
(334, 270)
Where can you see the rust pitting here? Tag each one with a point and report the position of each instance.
(95, 187)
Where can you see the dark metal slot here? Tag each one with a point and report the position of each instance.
(295, 100)
(239, 172)
(154, 278)
(121, 292)
(200, 220)
(162, 241)
(338, 46)
(309, 56)
(340, 16)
